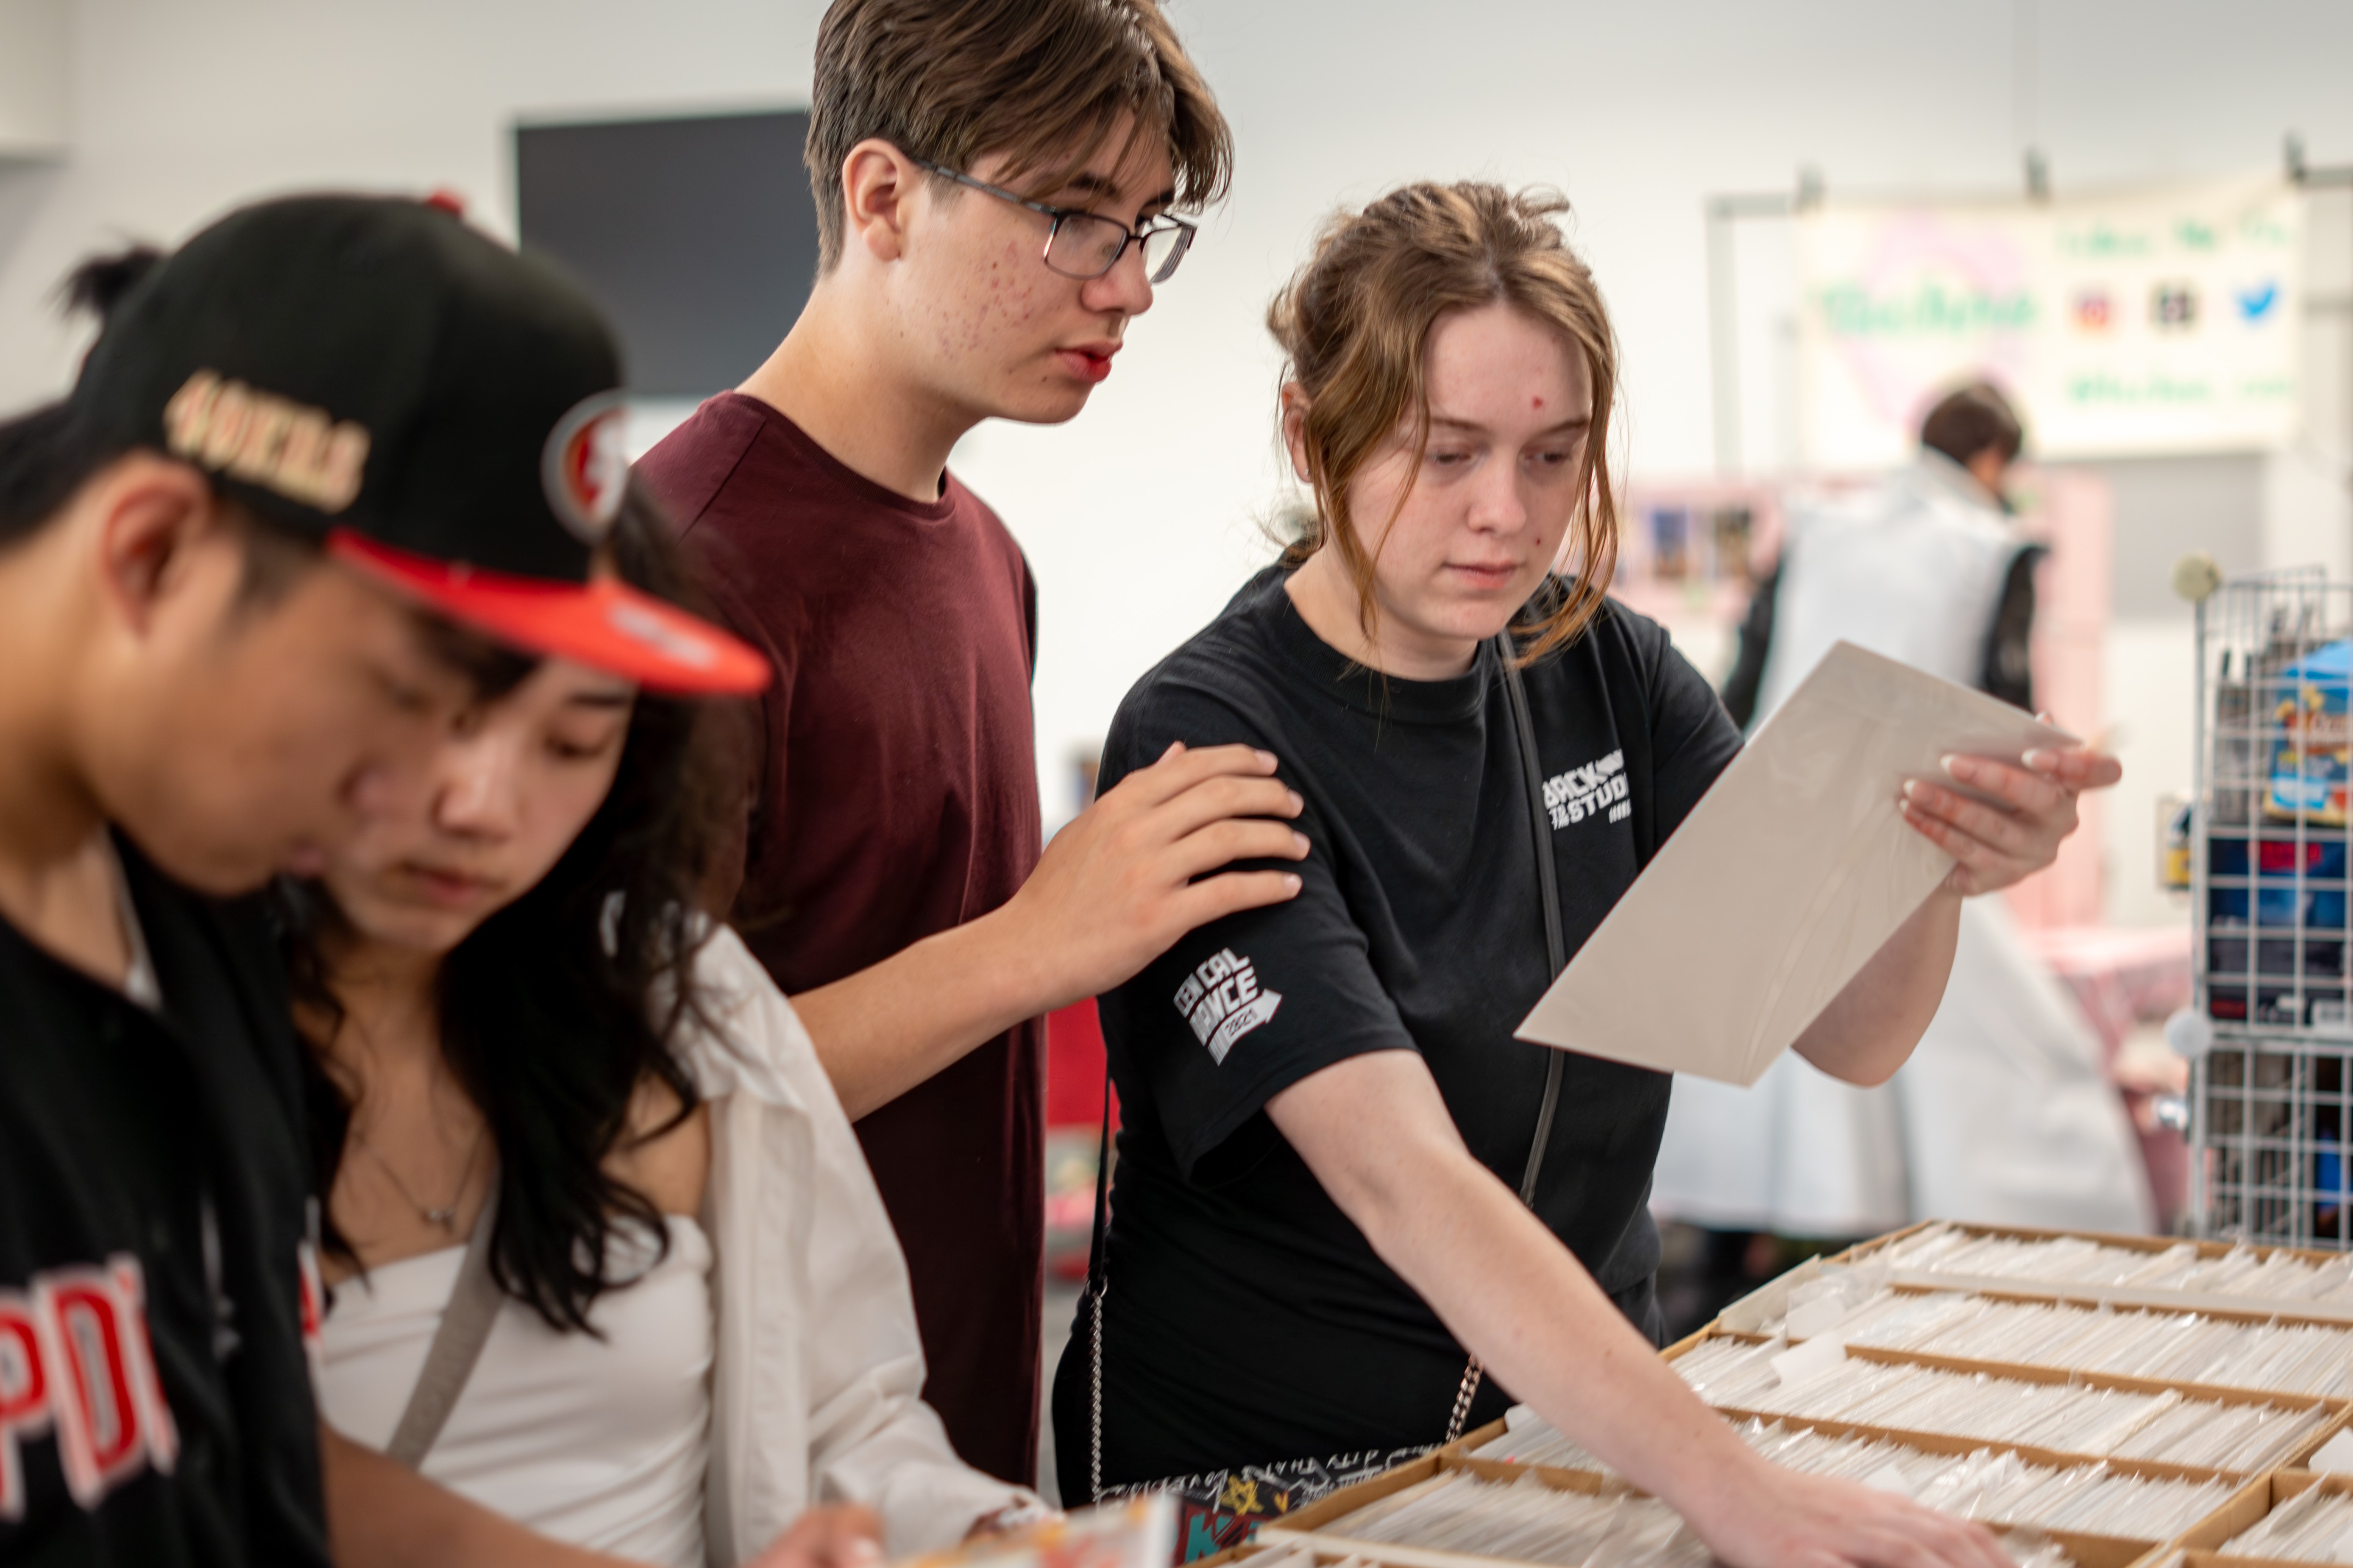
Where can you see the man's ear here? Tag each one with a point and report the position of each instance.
(878, 185)
(149, 513)
(1294, 430)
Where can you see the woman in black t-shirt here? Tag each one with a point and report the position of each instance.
(1325, 1114)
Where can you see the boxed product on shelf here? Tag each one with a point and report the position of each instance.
(2308, 760)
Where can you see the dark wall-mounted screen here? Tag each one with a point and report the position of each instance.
(698, 236)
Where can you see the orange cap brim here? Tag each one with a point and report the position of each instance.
(604, 622)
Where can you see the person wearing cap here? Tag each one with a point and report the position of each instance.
(995, 182)
(320, 464)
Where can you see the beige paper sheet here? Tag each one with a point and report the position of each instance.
(1792, 870)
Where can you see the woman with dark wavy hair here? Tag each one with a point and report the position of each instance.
(519, 1023)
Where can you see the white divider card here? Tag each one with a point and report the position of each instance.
(1811, 1360)
(1787, 876)
(2336, 1456)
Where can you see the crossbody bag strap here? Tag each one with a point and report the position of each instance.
(457, 1345)
(1098, 1284)
(1523, 731)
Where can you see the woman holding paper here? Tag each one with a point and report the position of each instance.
(1326, 1112)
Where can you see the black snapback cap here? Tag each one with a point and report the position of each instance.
(443, 413)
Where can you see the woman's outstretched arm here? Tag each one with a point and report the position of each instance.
(1377, 1135)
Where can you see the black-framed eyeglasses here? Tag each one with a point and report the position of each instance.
(1085, 245)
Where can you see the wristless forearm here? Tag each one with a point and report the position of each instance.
(1870, 1028)
(1544, 1330)
(889, 1026)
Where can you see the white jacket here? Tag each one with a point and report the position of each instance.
(817, 1373)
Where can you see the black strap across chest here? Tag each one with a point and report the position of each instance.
(1629, 713)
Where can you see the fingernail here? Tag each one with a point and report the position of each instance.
(1298, 842)
(1960, 767)
(2038, 759)
(1266, 759)
(1297, 804)
(1914, 790)
(1294, 883)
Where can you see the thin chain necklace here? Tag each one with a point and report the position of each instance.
(444, 1218)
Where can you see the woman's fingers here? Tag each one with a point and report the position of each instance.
(2075, 768)
(2013, 835)
(1982, 868)
(2022, 789)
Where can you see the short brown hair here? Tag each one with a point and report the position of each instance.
(1355, 323)
(1042, 81)
(1974, 419)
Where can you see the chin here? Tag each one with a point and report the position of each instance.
(1050, 409)
(387, 923)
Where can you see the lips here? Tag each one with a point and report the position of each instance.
(1089, 362)
(444, 887)
(1486, 576)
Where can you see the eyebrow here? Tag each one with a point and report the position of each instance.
(1097, 187)
(1583, 422)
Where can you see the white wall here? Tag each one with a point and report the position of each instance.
(1142, 516)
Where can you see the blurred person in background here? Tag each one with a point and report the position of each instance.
(997, 184)
(2003, 1114)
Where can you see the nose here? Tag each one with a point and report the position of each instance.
(1497, 502)
(476, 791)
(1125, 290)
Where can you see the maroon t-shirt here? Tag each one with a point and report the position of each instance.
(896, 796)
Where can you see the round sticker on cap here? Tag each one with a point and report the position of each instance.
(585, 466)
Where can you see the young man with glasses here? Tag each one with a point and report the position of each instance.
(994, 182)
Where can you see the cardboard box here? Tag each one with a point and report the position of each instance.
(2198, 1547)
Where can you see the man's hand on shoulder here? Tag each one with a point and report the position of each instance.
(1139, 869)
(1135, 871)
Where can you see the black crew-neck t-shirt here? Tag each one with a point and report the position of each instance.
(156, 1303)
(1248, 1321)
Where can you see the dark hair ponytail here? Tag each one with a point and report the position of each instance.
(560, 1007)
(47, 453)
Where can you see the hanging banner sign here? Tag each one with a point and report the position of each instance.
(2128, 324)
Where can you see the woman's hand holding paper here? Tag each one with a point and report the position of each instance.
(1997, 846)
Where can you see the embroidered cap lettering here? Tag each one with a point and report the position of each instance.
(1222, 1001)
(283, 446)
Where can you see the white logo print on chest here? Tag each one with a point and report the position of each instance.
(1588, 791)
(1222, 1001)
